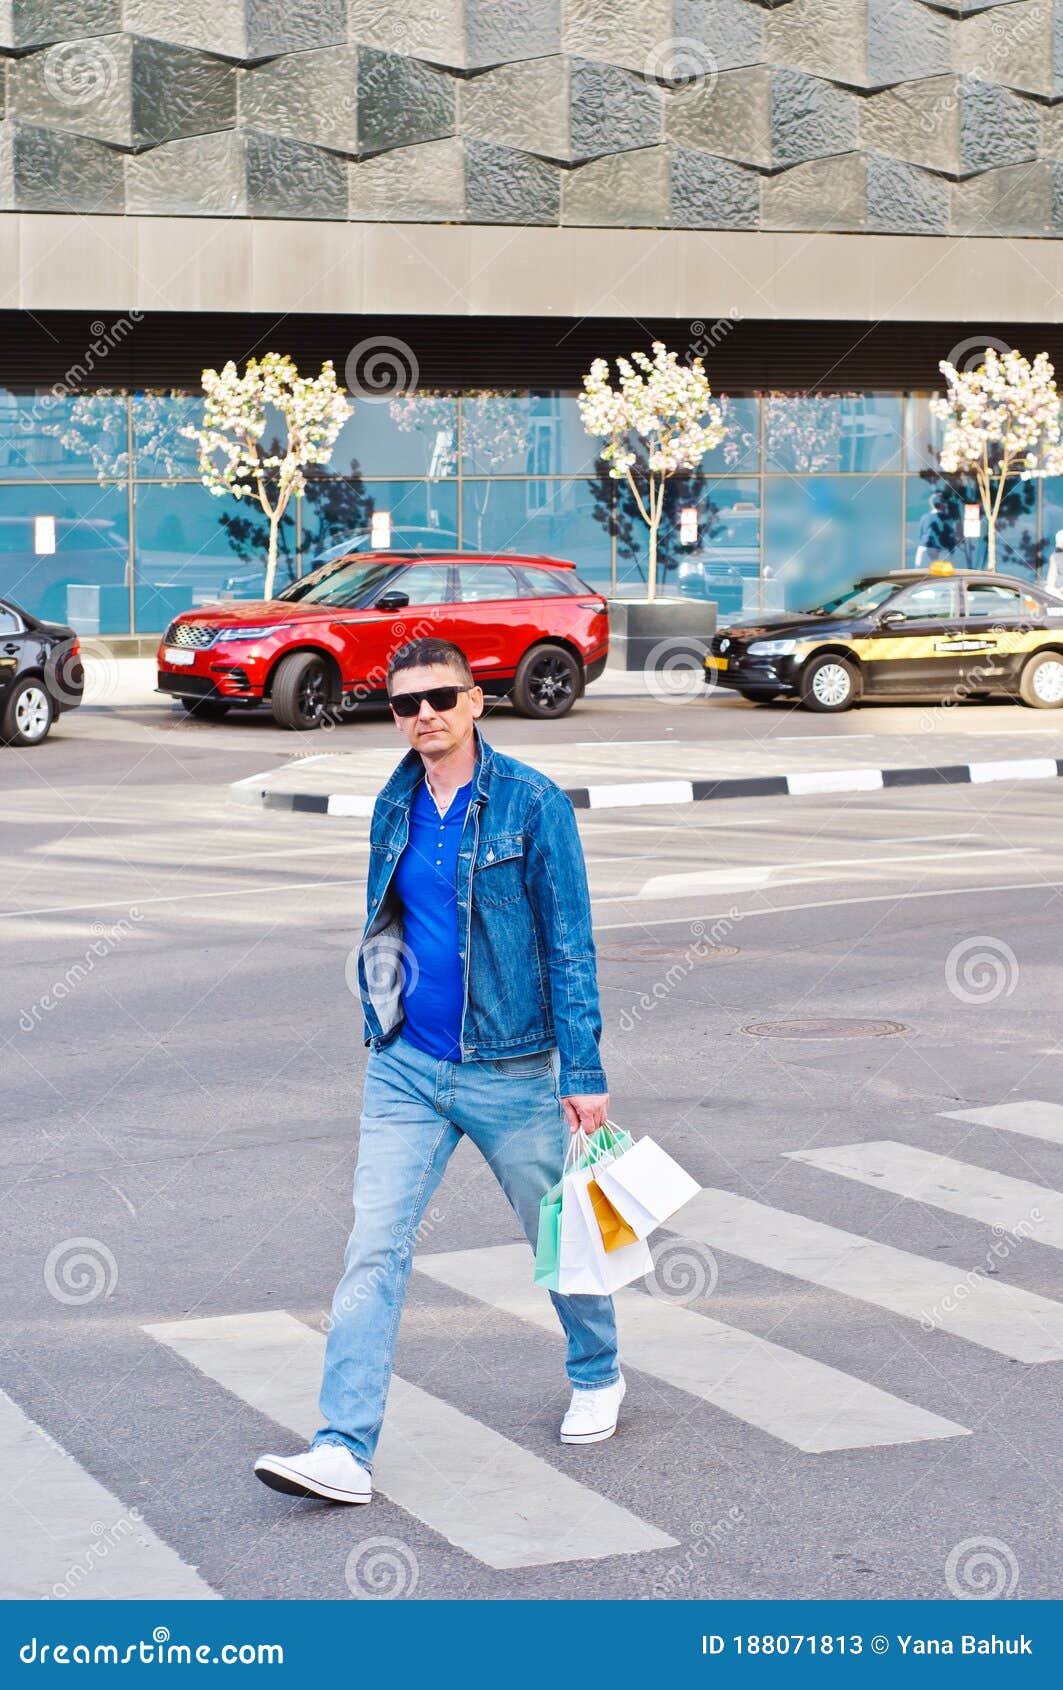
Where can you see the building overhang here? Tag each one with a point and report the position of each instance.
(160, 264)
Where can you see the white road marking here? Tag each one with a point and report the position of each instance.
(480, 1491)
(834, 780)
(802, 1402)
(999, 1317)
(1018, 768)
(904, 896)
(67, 1536)
(1033, 1120)
(751, 874)
(1016, 1206)
(641, 792)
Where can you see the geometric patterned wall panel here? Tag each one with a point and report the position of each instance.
(925, 116)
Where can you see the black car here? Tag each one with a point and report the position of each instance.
(41, 674)
(919, 633)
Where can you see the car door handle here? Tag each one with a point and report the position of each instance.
(12, 650)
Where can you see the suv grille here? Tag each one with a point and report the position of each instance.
(197, 634)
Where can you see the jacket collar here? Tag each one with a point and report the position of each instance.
(403, 783)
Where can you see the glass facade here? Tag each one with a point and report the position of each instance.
(104, 523)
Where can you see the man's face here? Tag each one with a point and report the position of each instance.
(437, 732)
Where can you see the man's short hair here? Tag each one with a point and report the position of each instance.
(421, 654)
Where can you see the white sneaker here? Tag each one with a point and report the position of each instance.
(592, 1415)
(327, 1470)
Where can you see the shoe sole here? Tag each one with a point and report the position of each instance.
(290, 1484)
(588, 1437)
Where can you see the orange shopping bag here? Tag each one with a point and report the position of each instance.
(612, 1225)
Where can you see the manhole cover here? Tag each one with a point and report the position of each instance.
(825, 1028)
(651, 950)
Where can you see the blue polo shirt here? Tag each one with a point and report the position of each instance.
(425, 882)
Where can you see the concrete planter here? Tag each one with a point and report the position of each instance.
(652, 636)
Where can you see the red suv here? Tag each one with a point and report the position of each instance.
(531, 629)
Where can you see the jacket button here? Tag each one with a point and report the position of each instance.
(388, 857)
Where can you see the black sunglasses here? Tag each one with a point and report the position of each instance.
(439, 698)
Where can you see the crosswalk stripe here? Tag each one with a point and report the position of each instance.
(67, 1536)
(1016, 1206)
(803, 1402)
(482, 1492)
(999, 1317)
(1034, 1120)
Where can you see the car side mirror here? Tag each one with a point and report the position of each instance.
(393, 601)
(890, 618)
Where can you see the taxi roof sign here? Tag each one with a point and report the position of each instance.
(941, 566)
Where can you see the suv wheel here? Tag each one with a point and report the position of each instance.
(1041, 684)
(547, 683)
(829, 683)
(302, 691)
(28, 713)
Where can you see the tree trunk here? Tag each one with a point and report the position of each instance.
(271, 558)
(651, 580)
(991, 541)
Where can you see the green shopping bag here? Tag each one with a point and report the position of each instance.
(606, 1142)
(548, 1243)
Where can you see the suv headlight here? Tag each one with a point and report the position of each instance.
(245, 633)
(771, 648)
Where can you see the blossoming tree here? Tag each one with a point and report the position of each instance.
(233, 455)
(659, 420)
(1001, 419)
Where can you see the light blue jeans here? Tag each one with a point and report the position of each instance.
(414, 1114)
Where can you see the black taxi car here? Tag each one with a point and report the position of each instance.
(41, 674)
(919, 633)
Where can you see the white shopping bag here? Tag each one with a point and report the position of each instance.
(645, 1185)
(584, 1265)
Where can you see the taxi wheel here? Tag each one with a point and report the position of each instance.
(829, 683)
(1041, 683)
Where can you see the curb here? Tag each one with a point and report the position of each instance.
(634, 793)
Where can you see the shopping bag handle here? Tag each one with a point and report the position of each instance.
(580, 1146)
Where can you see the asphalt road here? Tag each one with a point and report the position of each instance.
(841, 1379)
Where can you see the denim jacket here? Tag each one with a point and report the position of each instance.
(524, 921)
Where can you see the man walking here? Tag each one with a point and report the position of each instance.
(477, 977)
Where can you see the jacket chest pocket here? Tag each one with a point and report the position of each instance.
(498, 874)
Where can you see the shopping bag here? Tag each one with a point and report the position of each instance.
(585, 1267)
(548, 1242)
(645, 1185)
(612, 1226)
(609, 1140)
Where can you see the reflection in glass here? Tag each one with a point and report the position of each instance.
(414, 435)
(819, 434)
(711, 552)
(934, 525)
(55, 438)
(64, 554)
(565, 519)
(822, 534)
(337, 516)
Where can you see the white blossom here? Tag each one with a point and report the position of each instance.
(659, 415)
